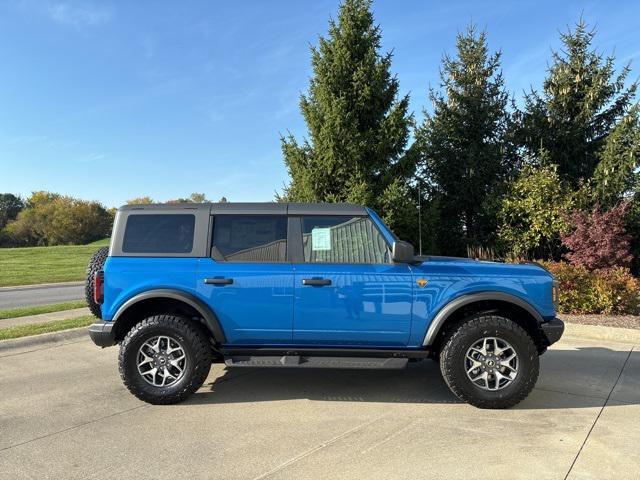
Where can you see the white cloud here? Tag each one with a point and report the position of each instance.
(79, 16)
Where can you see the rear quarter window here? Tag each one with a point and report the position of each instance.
(162, 233)
(250, 238)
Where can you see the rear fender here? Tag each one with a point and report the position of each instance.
(209, 317)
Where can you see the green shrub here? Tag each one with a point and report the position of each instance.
(609, 291)
(531, 214)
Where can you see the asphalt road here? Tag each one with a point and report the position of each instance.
(29, 295)
(65, 414)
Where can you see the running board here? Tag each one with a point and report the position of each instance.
(303, 361)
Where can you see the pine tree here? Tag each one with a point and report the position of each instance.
(581, 102)
(358, 125)
(463, 144)
(616, 175)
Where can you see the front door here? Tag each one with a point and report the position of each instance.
(347, 291)
(248, 282)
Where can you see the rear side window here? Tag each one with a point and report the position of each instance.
(343, 239)
(164, 233)
(250, 238)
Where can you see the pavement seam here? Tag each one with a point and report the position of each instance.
(317, 448)
(71, 428)
(624, 365)
(594, 397)
(46, 346)
(390, 437)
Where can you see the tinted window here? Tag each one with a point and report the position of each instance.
(159, 234)
(340, 239)
(250, 238)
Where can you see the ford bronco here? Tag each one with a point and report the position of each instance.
(309, 286)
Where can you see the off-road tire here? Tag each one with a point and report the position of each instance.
(197, 350)
(95, 265)
(470, 330)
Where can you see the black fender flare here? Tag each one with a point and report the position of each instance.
(210, 318)
(445, 312)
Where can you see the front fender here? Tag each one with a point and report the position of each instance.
(445, 312)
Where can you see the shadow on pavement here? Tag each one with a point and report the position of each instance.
(580, 378)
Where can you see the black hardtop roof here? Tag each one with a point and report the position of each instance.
(257, 208)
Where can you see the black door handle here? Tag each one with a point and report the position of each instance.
(316, 282)
(218, 281)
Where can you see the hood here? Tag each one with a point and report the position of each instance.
(471, 265)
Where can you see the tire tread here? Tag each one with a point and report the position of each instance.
(198, 342)
(448, 358)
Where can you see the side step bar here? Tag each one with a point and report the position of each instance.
(303, 361)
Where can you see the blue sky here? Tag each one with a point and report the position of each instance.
(113, 100)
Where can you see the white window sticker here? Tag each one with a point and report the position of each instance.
(320, 239)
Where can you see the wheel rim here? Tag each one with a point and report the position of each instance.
(491, 363)
(161, 361)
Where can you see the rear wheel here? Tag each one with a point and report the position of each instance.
(95, 265)
(489, 361)
(164, 359)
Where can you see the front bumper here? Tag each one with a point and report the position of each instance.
(102, 334)
(552, 330)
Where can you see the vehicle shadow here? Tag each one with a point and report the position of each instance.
(580, 378)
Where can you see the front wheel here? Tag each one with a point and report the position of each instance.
(164, 359)
(489, 361)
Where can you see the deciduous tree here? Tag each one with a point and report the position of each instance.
(140, 201)
(532, 213)
(53, 219)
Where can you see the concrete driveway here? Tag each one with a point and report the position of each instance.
(65, 414)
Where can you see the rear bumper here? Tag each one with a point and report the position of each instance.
(102, 334)
(552, 330)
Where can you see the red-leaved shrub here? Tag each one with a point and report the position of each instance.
(598, 239)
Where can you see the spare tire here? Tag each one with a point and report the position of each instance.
(95, 265)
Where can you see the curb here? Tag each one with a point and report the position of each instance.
(41, 285)
(44, 338)
(594, 332)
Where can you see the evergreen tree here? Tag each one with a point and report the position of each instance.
(10, 206)
(463, 145)
(358, 125)
(616, 175)
(581, 102)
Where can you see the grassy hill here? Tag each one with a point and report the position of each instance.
(26, 266)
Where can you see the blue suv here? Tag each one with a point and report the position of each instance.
(309, 286)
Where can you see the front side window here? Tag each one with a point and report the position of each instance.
(159, 233)
(250, 238)
(343, 239)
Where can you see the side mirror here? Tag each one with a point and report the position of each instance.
(402, 252)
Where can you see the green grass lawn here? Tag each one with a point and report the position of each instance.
(37, 328)
(26, 266)
(54, 307)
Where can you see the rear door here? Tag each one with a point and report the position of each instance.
(248, 281)
(347, 291)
